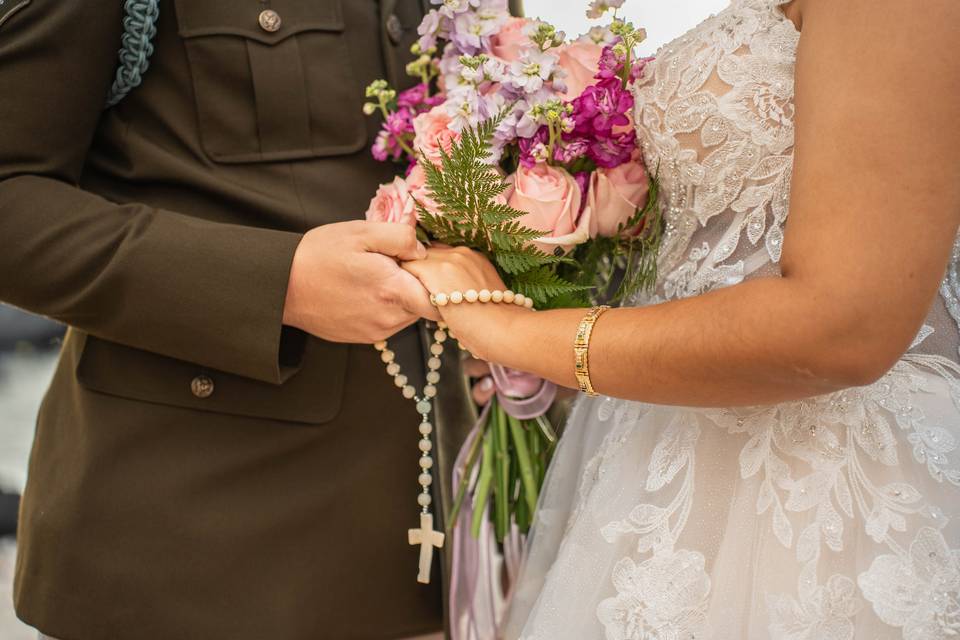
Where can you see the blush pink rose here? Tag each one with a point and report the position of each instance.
(433, 133)
(551, 199)
(581, 61)
(614, 196)
(393, 203)
(511, 40)
(417, 186)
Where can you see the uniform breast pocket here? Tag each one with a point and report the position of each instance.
(273, 80)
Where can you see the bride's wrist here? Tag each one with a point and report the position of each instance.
(483, 329)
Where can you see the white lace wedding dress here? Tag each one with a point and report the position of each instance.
(832, 518)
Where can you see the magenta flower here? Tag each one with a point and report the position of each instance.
(399, 123)
(570, 150)
(613, 150)
(602, 107)
(413, 97)
(530, 147)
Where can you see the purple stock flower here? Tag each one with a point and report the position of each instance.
(399, 123)
(570, 150)
(613, 150)
(602, 107)
(531, 147)
(610, 63)
(413, 97)
(417, 99)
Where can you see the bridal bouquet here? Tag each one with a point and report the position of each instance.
(519, 144)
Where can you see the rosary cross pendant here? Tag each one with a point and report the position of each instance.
(427, 538)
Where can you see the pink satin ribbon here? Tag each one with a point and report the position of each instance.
(477, 600)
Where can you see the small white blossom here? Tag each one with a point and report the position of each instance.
(599, 7)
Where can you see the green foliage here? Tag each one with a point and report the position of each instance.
(465, 187)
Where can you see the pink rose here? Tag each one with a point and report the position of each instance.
(393, 204)
(581, 61)
(433, 133)
(417, 186)
(614, 196)
(507, 44)
(551, 199)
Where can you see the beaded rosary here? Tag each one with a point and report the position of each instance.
(425, 535)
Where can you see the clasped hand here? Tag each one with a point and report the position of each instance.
(361, 282)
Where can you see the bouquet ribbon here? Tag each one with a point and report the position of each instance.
(477, 599)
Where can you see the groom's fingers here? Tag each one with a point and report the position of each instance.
(414, 297)
(393, 239)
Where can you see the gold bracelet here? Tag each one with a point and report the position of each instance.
(581, 349)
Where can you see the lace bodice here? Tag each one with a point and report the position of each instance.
(715, 116)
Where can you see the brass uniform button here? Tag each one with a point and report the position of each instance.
(270, 21)
(394, 28)
(202, 386)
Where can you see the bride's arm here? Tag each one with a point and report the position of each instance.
(875, 207)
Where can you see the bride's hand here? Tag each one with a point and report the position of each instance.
(449, 269)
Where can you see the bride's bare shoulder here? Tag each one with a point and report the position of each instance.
(931, 18)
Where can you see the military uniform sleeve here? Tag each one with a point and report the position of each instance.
(204, 292)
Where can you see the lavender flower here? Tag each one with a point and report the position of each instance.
(431, 27)
(534, 68)
(471, 32)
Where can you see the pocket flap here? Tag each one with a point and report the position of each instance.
(313, 395)
(229, 17)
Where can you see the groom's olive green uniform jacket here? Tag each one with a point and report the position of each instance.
(200, 472)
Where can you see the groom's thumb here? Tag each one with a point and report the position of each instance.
(394, 239)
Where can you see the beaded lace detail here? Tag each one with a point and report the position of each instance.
(715, 117)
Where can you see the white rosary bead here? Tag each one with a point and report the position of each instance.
(430, 391)
(380, 346)
(424, 499)
(434, 363)
(425, 445)
(426, 428)
(425, 479)
(472, 295)
(400, 380)
(426, 462)
(393, 369)
(433, 377)
(409, 392)
(436, 349)
(387, 356)
(440, 336)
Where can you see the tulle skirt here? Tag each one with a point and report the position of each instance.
(826, 519)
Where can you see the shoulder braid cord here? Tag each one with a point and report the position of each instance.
(139, 29)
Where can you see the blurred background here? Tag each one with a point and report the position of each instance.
(29, 345)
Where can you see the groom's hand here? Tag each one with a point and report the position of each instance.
(346, 284)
